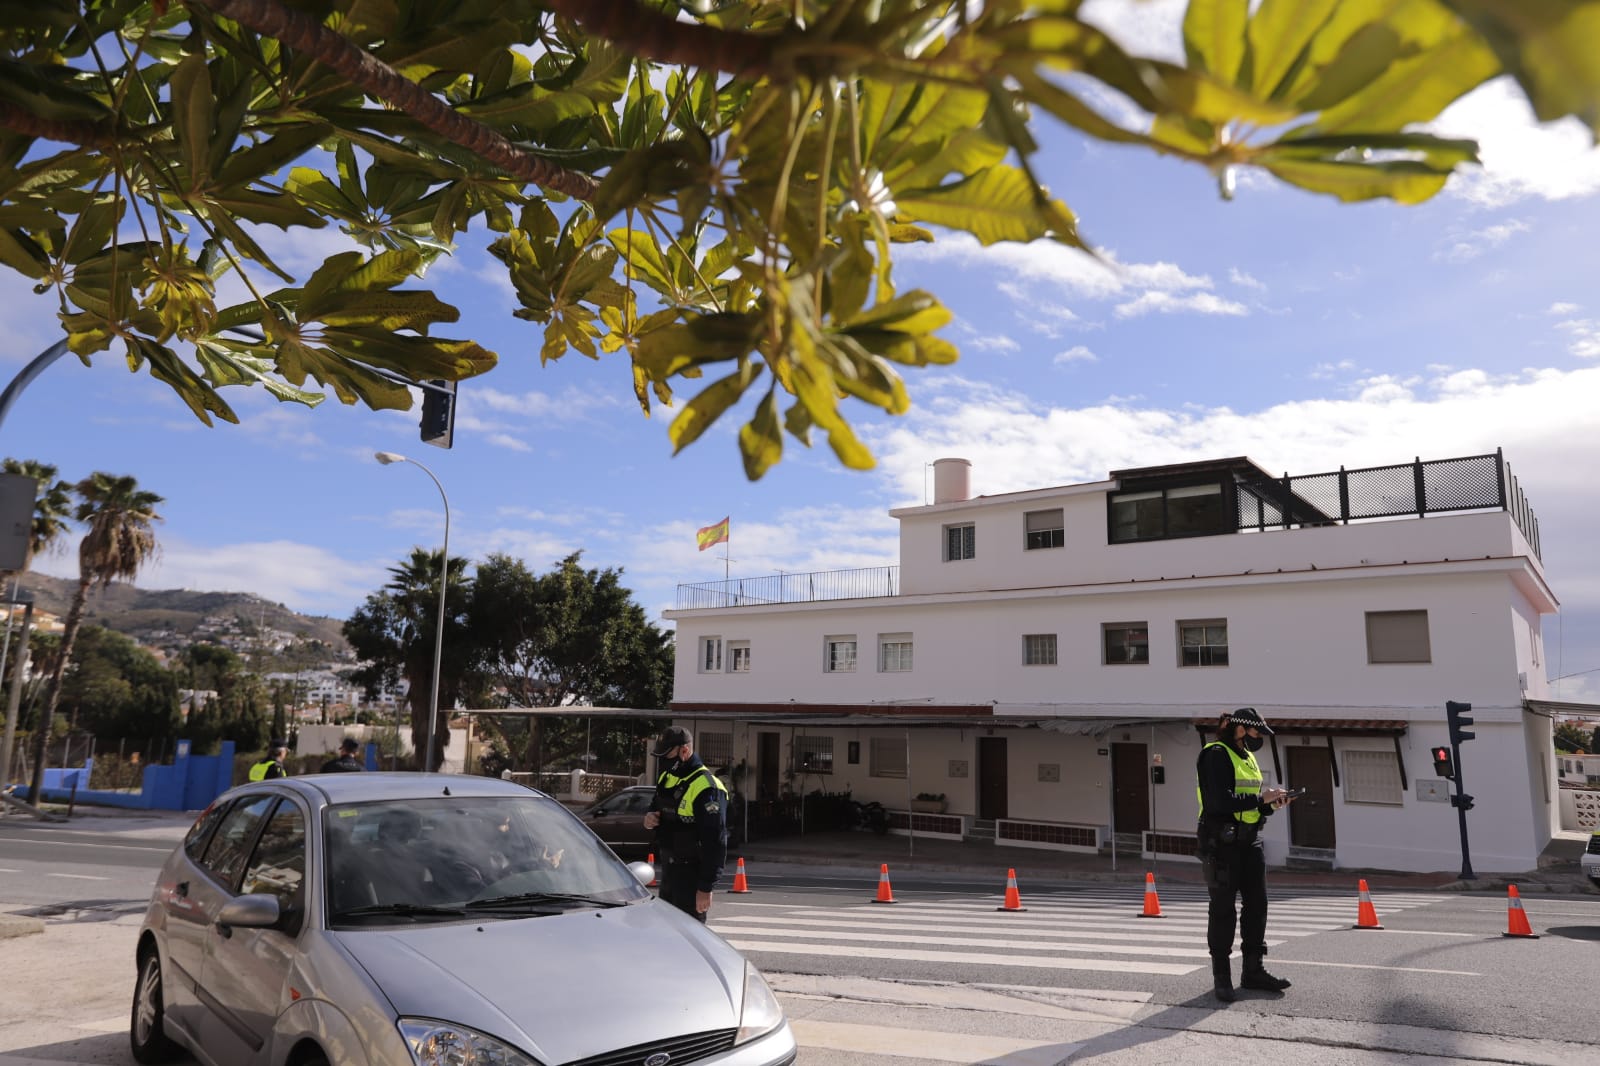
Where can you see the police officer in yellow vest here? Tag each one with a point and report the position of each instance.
(272, 765)
(689, 815)
(1233, 811)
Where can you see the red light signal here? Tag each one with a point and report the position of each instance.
(1443, 764)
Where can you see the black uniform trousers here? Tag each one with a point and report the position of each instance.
(1236, 872)
(678, 886)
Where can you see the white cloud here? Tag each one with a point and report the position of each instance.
(1153, 28)
(999, 342)
(1205, 303)
(1585, 333)
(1562, 308)
(1521, 158)
(1240, 278)
(506, 440)
(1076, 354)
(1469, 246)
(1324, 371)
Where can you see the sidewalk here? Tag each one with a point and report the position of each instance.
(865, 852)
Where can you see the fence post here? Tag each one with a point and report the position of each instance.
(1344, 495)
(1419, 488)
(1500, 478)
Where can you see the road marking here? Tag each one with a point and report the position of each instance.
(740, 924)
(80, 877)
(8, 870)
(979, 942)
(164, 849)
(915, 916)
(1279, 961)
(928, 1046)
(970, 958)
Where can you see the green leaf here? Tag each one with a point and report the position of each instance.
(997, 204)
(54, 93)
(22, 254)
(1414, 89)
(1408, 183)
(1214, 36)
(1552, 48)
(271, 155)
(1279, 33)
(699, 413)
(640, 251)
(192, 119)
(914, 312)
(244, 366)
(761, 439)
(1437, 153)
(165, 366)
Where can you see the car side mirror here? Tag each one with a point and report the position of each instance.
(601, 814)
(643, 871)
(257, 910)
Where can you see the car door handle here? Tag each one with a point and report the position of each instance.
(181, 888)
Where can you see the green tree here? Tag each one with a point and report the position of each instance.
(392, 632)
(710, 188)
(119, 541)
(573, 636)
(1572, 739)
(116, 689)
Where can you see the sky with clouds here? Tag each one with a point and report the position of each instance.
(1287, 327)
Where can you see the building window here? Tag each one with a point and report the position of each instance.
(813, 755)
(841, 655)
(1126, 642)
(738, 656)
(1181, 511)
(1039, 649)
(715, 749)
(1203, 643)
(894, 653)
(960, 542)
(1372, 777)
(1045, 529)
(1398, 637)
(710, 655)
(888, 757)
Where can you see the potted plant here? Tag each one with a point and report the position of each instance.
(928, 803)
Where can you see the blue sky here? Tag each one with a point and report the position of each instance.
(1304, 333)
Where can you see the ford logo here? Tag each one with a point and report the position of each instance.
(660, 1058)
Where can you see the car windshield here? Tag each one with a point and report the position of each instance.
(434, 858)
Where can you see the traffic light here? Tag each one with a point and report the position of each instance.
(1443, 764)
(1459, 720)
(438, 413)
(1462, 801)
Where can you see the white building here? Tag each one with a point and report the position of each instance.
(1051, 661)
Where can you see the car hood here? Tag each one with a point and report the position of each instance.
(565, 986)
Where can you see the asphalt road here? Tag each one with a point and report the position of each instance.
(942, 976)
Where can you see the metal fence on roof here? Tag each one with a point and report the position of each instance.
(792, 588)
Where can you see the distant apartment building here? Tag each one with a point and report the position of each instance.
(1050, 662)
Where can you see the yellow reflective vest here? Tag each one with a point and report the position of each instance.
(263, 770)
(1246, 782)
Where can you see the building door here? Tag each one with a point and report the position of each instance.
(992, 777)
(1311, 816)
(769, 765)
(1130, 788)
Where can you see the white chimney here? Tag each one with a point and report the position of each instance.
(950, 480)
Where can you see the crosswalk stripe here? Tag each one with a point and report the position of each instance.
(926, 1045)
(857, 937)
(969, 958)
(1194, 925)
(1031, 930)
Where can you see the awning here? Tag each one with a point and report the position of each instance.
(1559, 709)
(1323, 727)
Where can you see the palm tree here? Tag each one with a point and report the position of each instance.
(119, 541)
(52, 509)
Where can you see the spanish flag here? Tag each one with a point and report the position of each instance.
(717, 534)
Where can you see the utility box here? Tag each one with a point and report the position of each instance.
(1433, 789)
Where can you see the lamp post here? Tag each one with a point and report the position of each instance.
(444, 576)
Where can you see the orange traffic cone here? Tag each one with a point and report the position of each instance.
(739, 883)
(1152, 903)
(1013, 897)
(885, 893)
(1517, 918)
(1366, 914)
(654, 880)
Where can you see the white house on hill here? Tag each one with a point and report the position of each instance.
(1051, 661)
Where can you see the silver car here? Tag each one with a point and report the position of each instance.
(426, 920)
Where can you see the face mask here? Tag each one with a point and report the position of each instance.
(1252, 744)
(669, 762)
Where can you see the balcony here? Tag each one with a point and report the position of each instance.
(861, 584)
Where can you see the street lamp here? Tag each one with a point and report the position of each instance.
(444, 575)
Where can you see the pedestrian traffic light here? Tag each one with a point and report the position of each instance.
(1443, 764)
(1459, 720)
(1462, 801)
(438, 413)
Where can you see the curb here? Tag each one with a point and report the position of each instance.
(14, 925)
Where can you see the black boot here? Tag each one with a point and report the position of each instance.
(1255, 976)
(1222, 980)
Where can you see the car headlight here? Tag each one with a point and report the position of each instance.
(760, 1013)
(436, 1043)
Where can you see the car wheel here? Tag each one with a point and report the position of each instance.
(146, 1035)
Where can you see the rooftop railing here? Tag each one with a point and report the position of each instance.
(792, 588)
(1473, 483)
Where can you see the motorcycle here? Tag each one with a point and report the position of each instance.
(869, 817)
